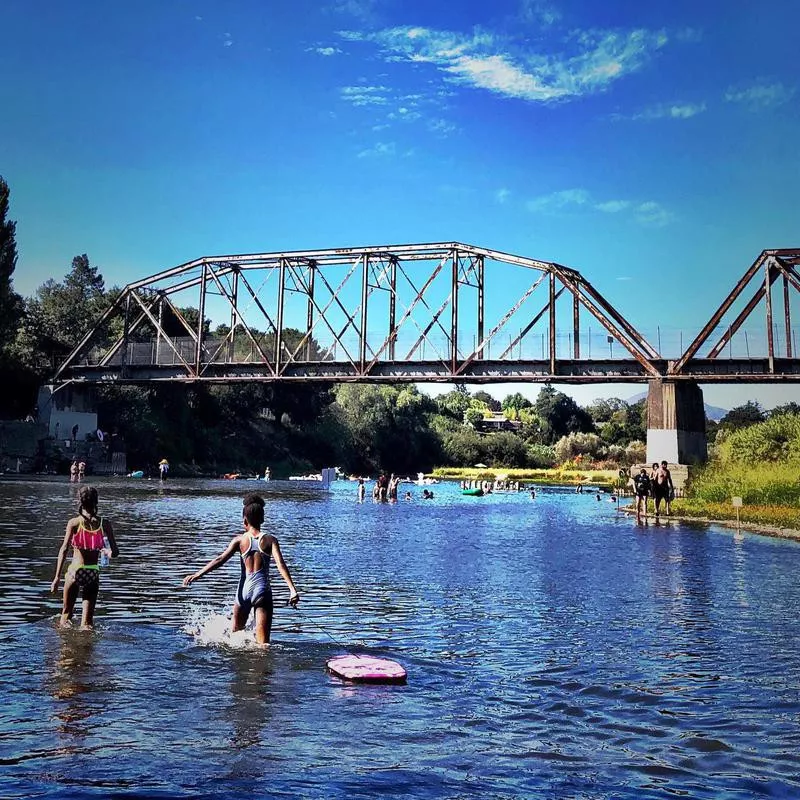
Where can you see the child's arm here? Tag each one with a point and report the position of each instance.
(294, 597)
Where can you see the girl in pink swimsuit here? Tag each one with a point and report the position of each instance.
(85, 533)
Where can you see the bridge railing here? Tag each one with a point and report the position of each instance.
(594, 345)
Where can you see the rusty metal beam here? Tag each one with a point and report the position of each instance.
(552, 330)
(768, 300)
(510, 313)
(576, 327)
(787, 317)
(711, 325)
(730, 332)
(529, 326)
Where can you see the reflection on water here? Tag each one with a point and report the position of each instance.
(554, 649)
(72, 678)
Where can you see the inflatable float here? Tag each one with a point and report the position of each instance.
(472, 492)
(366, 669)
(137, 474)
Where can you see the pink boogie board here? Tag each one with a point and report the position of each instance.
(366, 669)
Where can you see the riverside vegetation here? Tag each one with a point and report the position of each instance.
(364, 428)
(757, 459)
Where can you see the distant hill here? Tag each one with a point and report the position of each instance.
(712, 412)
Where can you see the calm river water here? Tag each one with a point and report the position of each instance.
(554, 650)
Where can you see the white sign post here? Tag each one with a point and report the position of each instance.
(737, 504)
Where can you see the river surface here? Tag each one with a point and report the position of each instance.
(554, 650)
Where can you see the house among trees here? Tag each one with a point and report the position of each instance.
(498, 422)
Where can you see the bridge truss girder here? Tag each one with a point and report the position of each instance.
(772, 264)
(343, 296)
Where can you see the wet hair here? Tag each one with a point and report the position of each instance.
(253, 514)
(253, 499)
(88, 500)
(655, 465)
(663, 463)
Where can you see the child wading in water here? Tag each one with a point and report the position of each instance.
(85, 533)
(253, 591)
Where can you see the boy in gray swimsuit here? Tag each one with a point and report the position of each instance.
(253, 591)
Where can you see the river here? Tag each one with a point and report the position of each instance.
(554, 650)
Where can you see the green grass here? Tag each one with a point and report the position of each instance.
(554, 476)
(772, 515)
(768, 484)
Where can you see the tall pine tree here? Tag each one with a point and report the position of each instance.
(10, 301)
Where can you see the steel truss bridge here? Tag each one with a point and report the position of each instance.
(420, 312)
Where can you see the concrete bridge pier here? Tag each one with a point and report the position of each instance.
(676, 422)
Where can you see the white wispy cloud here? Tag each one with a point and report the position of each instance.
(363, 10)
(653, 214)
(379, 149)
(441, 127)
(501, 196)
(760, 95)
(648, 213)
(399, 108)
(665, 111)
(366, 95)
(324, 51)
(539, 12)
(227, 40)
(559, 200)
(613, 206)
(591, 61)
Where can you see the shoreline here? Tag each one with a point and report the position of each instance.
(774, 531)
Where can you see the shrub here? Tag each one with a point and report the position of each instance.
(579, 444)
(540, 455)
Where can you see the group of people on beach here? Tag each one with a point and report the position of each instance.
(92, 540)
(656, 484)
(77, 470)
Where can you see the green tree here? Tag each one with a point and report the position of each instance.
(514, 403)
(505, 449)
(386, 428)
(484, 397)
(603, 410)
(742, 417)
(473, 416)
(560, 415)
(464, 447)
(60, 314)
(540, 456)
(454, 403)
(10, 301)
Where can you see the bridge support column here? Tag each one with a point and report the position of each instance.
(676, 422)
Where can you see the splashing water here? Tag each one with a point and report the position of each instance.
(210, 628)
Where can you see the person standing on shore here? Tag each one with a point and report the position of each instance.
(253, 592)
(663, 488)
(89, 535)
(641, 485)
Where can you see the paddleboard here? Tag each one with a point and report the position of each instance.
(366, 669)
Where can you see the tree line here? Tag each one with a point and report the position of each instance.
(360, 427)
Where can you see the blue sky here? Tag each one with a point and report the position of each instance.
(649, 145)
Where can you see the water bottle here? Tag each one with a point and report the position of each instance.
(104, 553)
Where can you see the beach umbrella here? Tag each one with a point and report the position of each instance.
(480, 466)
